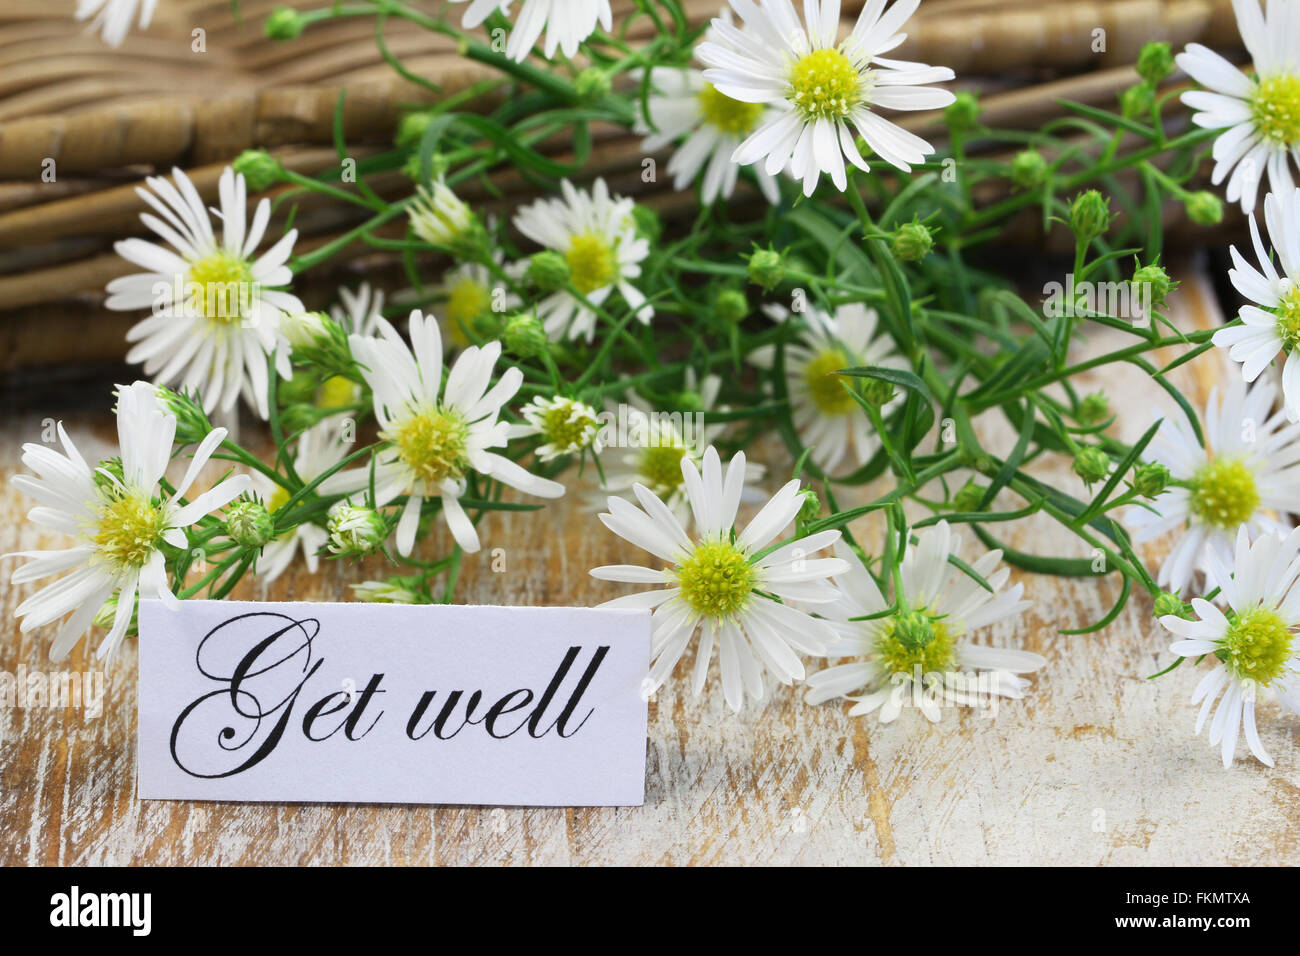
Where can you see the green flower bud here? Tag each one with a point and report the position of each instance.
(549, 271)
(1029, 169)
(1091, 464)
(1151, 479)
(912, 242)
(913, 629)
(1093, 408)
(1136, 101)
(1204, 208)
(1168, 603)
(192, 424)
(1155, 62)
(259, 168)
(249, 523)
(411, 128)
(355, 531)
(811, 507)
(964, 113)
(1157, 280)
(648, 224)
(968, 497)
(592, 83)
(524, 336)
(766, 268)
(876, 391)
(732, 306)
(285, 23)
(1089, 215)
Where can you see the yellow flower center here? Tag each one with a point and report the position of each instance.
(733, 117)
(1275, 109)
(825, 386)
(825, 84)
(716, 579)
(916, 639)
(432, 443)
(568, 426)
(1224, 493)
(129, 529)
(1257, 646)
(279, 498)
(591, 262)
(1288, 318)
(661, 467)
(220, 287)
(466, 301)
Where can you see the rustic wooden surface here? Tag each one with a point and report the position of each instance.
(1097, 765)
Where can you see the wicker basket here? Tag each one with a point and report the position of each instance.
(106, 118)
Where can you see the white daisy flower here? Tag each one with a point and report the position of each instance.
(822, 89)
(112, 18)
(925, 643)
(436, 433)
(716, 583)
(117, 517)
(359, 311)
(684, 104)
(1273, 324)
(1245, 476)
(596, 234)
(566, 22)
(649, 447)
(828, 419)
(567, 426)
(216, 314)
(319, 450)
(1255, 647)
(1260, 114)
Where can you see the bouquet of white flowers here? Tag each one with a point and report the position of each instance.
(831, 295)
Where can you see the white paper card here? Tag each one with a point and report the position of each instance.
(386, 703)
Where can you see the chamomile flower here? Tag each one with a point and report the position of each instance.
(650, 445)
(216, 312)
(596, 234)
(435, 433)
(1260, 114)
(1272, 325)
(566, 425)
(1253, 646)
(927, 641)
(716, 585)
(358, 311)
(112, 18)
(118, 517)
(829, 420)
(684, 104)
(1247, 473)
(319, 449)
(823, 90)
(566, 22)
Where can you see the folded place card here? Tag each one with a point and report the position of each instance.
(393, 703)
